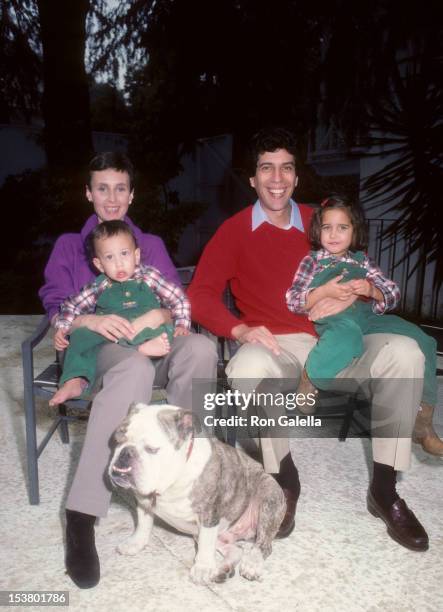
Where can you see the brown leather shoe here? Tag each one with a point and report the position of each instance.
(288, 522)
(424, 432)
(403, 526)
(304, 387)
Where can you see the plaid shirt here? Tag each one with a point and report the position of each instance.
(170, 295)
(309, 266)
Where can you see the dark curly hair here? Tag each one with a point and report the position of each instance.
(356, 217)
(269, 140)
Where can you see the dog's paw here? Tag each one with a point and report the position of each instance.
(203, 574)
(223, 572)
(251, 565)
(132, 546)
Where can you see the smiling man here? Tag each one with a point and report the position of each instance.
(257, 252)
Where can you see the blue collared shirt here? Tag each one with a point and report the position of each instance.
(259, 216)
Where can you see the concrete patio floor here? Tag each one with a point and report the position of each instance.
(338, 558)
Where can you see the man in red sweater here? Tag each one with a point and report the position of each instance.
(258, 251)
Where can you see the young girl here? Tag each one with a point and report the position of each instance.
(338, 267)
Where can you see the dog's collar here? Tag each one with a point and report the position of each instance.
(190, 447)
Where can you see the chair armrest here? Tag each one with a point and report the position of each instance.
(37, 336)
(186, 273)
(28, 346)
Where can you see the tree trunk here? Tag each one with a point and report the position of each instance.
(66, 112)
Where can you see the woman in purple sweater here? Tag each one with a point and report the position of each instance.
(127, 376)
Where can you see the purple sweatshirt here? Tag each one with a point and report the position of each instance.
(67, 270)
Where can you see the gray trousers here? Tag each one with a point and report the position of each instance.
(128, 376)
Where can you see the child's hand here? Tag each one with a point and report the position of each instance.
(60, 340)
(181, 331)
(361, 286)
(337, 290)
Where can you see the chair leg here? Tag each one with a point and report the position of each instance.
(231, 432)
(31, 449)
(346, 423)
(63, 426)
(30, 422)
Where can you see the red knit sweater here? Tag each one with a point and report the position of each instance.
(260, 266)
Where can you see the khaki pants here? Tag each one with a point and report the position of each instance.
(386, 356)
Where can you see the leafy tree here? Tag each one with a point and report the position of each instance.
(46, 39)
(65, 103)
(383, 84)
(20, 69)
(407, 126)
(109, 112)
(233, 68)
(42, 73)
(201, 68)
(42, 70)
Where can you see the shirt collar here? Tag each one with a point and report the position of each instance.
(138, 273)
(259, 216)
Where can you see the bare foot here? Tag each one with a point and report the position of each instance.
(72, 388)
(157, 347)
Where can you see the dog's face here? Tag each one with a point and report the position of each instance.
(152, 446)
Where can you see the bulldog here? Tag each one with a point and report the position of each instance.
(201, 487)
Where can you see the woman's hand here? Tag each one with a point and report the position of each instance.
(181, 331)
(60, 340)
(153, 319)
(112, 327)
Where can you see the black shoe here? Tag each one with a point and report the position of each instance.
(403, 526)
(288, 522)
(82, 563)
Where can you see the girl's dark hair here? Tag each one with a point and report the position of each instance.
(106, 229)
(356, 217)
(111, 160)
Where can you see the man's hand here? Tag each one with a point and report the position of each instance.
(256, 335)
(181, 331)
(112, 327)
(60, 340)
(330, 306)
